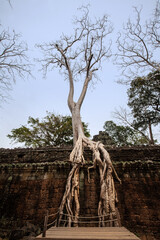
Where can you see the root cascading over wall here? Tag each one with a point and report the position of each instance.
(108, 214)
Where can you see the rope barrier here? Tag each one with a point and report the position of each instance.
(111, 220)
(85, 217)
(100, 221)
(54, 214)
(80, 217)
(51, 223)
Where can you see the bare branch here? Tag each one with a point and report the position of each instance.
(79, 55)
(153, 27)
(13, 61)
(9, 1)
(138, 46)
(126, 118)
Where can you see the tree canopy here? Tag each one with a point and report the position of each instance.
(144, 101)
(79, 56)
(52, 130)
(123, 135)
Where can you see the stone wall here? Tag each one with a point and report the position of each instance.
(33, 180)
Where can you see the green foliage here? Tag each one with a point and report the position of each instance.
(123, 135)
(104, 138)
(144, 100)
(51, 131)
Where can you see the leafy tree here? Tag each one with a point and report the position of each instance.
(79, 56)
(52, 130)
(104, 137)
(144, 101)
(139, 44)
(13, 60)
(123, 135)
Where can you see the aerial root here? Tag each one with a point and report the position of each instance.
(107, 211)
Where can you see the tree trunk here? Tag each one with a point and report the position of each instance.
(76, 123)
(151, 134)
(70, 206)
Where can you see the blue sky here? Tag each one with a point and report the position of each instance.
(41, 21)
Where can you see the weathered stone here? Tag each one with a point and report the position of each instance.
(16, 234)
(33, 180)
(27, 232)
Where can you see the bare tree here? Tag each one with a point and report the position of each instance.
(13, 61)
(139, 45)
(79, 57)
(126, 118)
(154, 28)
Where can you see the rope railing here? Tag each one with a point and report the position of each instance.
(47, 216)
(105, 221)
(86, 217)
(46, 225)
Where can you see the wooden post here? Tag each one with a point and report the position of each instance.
(59, 216)
(45, 224)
